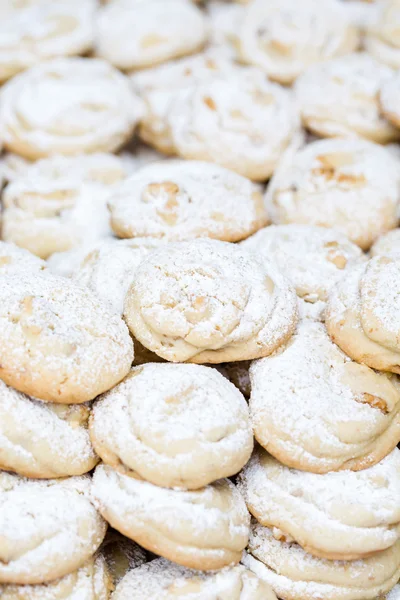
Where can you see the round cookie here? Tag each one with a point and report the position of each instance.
(389, 98)
(388, 243)
(362, 313)
(48, 528)
(284, 37)
(350, 185)
(121, 555)
(322, 512)
(179, 200)
(14, 260)
(59, 343)
(316, 410)
(295, 575)
(312, 258)
(43, 30)
(43, 440)
(164, 580)
(382, 38)
(175, 425)
(339, 98)
(207, 301)
(89, 108)
(240, 121)
(204, 529)
(59, 203)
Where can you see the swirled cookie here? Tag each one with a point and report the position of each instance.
(203, 529)
(177, 426)
(350, 185)
(322, 512)
(164, 580)
(59, 343)
(388, 243)
(181, 199)
(382, 39)
(316, 410)
(67, 106)
(284, 37)
(47, 528)
(121, 555)
(295, 575)
(15, 260)
(339, 98)
(132, 34)
(209, 301)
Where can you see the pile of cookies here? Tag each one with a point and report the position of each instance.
(200, 300)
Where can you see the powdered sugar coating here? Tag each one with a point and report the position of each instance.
(14, 260)
(225, 19)
(382, 38)
(67, 106)
(48, 528)
(387, 244)
(209, 301)
(389, 98)
(204, 529)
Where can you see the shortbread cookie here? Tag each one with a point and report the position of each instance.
(339, 98)
(91, 582)
(164, 580)
(241, 121)
(44, 30)
(204, 529)
(207, 301)
(59, 203)
(388, 243)
(295, 575)
(321, 512)
(316, 410)
(43, 440)
(121, 555)
(284, 37)
(48, 528)
(350, 185)
(59, 343)
(67, 106)
(179, 200)
(390, 96)
(132, 34)
(177, 426)
(363, 312)
(312, 258)
(14, 260)
(382, 39)
(238, 374)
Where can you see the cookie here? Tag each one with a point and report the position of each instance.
(177, 426)
(240, 121)
(339, 98)
(387, 244)
(225, 20)
(179, 200)
(350, 185)
(59, 342)
(389, 98)
(285, 37)
(316, 410)
(207, 301)
(382, 38)
(295, 575)
(14, 260)
(48, 528)
(321, 512)
(166, 581)
(121, 555)
(204, 529)
(133, 34)
(67, 106)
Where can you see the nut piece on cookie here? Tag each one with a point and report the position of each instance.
(389, 243)
(322, 512)
(68, 106)
(300, 394)
(207, 301)
(165, 580)
(382, 39)
(47, 528)
(203, 529)
(350, 185)
(175, 425)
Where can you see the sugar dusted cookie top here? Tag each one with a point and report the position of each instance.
(387, 244)
(14, 260)
(382, 39)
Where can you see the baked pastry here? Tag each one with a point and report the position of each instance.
(121, 555)
(164, 580)
(90, 107)
(284, 37)
(182, 199)
(207, 301)
(225, 19)
(322, 513)
(48, 528)
(389, 98)
(14, 260)
(316, 410)
(387, 244)
(295, 575)
(350, 185)
(175, 425)
(382, 39)
(59, 343)
(204, 529)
